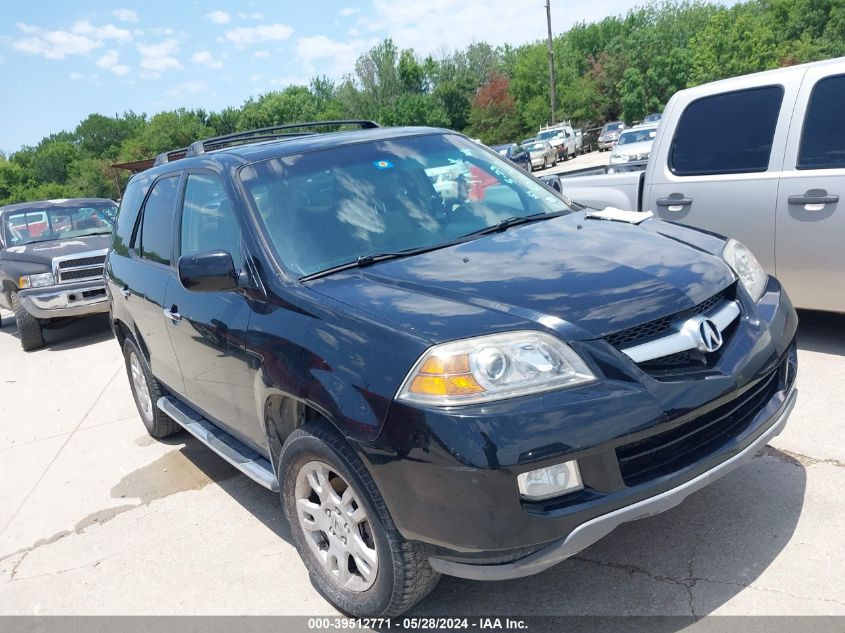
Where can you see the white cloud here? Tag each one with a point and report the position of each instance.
(82, 38)
(205, 58)
(125, 15)
(150, 74)
(250, 35)
(76, 76)
(342, 55)
(189, 87)
(251, 16)
(435, 25)
(261, 54)
(111, 62)
(219, 17)
(347, 11)
(256, 78)
(160, 57)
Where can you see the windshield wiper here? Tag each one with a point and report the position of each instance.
(375, 258)
(504, 225)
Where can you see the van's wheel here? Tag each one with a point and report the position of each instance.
(146, 391)
(29, 328)
(354, 554)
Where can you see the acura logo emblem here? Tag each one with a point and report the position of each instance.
(709, 335)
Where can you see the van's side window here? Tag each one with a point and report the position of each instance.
(729, 133)
(208, 220)
(157, 224)
(823, 137)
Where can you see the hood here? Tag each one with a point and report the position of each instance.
(44, 252)
(581, 278)
(634, 148)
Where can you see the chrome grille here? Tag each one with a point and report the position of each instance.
(79, 267)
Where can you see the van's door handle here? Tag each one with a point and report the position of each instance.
(814, 199)
(173, 314)
(674, 202)
(125, 292)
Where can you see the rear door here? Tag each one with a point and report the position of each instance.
(720, 170)
(208, 330)
(144, 279)
(811, 197)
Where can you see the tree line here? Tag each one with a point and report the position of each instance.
(622, 67)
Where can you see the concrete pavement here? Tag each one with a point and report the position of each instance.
(97, 518)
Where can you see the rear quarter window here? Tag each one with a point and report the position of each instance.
(728, 133)
(823, 136)
(127, 215)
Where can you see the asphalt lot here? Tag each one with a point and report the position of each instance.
(97, 518)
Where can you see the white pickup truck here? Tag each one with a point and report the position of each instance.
(760, 158)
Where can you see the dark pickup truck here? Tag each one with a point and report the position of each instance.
(51, 262)
(476, 380)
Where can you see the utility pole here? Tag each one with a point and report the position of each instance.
(552, 82)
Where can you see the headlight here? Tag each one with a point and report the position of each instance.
(746, 267)
(35, 281)
(493, 367)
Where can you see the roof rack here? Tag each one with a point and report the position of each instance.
(261, 134)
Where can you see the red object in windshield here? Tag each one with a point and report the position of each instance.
(480, 181)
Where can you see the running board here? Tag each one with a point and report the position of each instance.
(232, 450)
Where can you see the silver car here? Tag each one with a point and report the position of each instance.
(634, 145)
(610, 134)
(542, 154)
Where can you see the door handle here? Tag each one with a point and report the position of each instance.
(674, 202)
(173, 315)
(814, 199)
(125, 292)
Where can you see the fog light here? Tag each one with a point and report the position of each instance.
(544, 483)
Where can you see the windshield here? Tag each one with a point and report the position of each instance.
(543, 136)
(535, 147)
(57, 222)
(326, 208)
(611, 127)
(636, 136)
(652, 117)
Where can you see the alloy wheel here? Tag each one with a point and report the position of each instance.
(139, 385)
(336, 526)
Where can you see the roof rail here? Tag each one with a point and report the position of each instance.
(270, 133)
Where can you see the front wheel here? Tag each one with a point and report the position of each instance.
(354, 554)
(29, 328)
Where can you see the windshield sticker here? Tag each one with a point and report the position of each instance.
(383, 164)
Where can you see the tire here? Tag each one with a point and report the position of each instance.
(545, 162)
(394, 576)
(158, 424)
(29, 328)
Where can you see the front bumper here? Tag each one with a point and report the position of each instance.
(608, 144)
(449, 477)
(65, 300)
(591, 531)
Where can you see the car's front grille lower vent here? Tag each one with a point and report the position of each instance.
(656, 328)
(694, 440)
(70, 270)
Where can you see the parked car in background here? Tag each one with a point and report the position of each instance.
(760, 158)
(609, 134)
(653, 118)
(580, 148)
(562, 138)
(514, 153)
(51, 262)
(527, 141)
(275, 299)
(634, 144)
(542, 154)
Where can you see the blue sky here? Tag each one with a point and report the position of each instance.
(60, 61)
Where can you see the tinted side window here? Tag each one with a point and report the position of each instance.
(157, 225)
(730, 133)
(823, 137)
(208, 220)
(127, 215)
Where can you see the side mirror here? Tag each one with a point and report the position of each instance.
(209, 271)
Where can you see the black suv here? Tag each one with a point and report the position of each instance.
(51, 262)
(443, 365)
